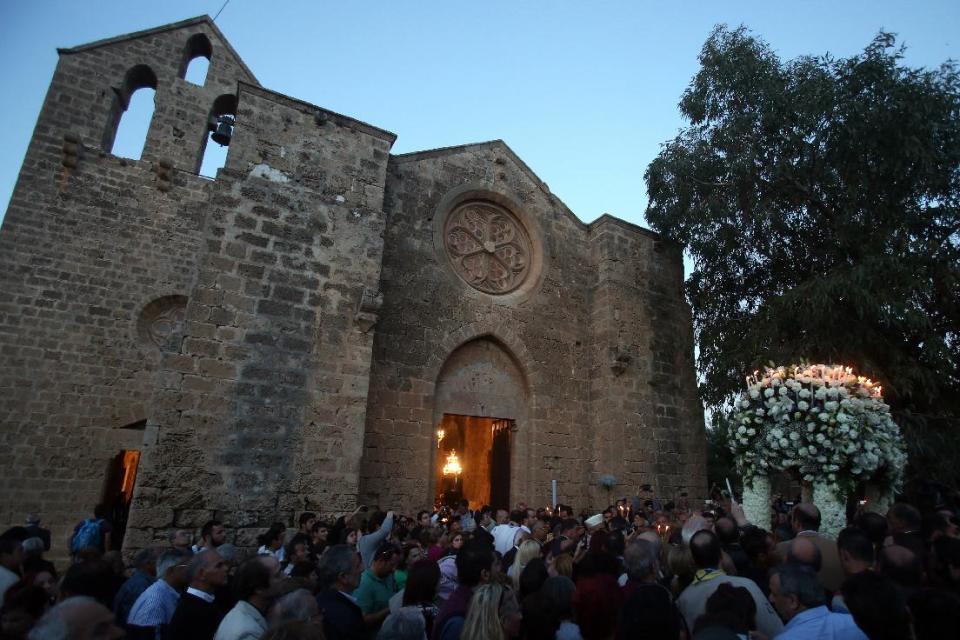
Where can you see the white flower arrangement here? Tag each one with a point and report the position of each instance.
(756, 501)
(832, 506)
(820, 422)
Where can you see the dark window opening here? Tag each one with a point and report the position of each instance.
(196, 59)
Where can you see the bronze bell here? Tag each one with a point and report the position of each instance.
(224, 131)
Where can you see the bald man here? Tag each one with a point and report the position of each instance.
(805, 522)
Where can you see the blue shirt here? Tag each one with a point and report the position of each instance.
(821, 624)
(155, 606)
(129, 592)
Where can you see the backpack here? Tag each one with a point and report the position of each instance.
(87, 535)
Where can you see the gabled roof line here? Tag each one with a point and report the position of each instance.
(302, 105)
(606, 218)
(503, 146)
(204, 19)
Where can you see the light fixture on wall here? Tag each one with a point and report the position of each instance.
(452, 467)
(440, 434)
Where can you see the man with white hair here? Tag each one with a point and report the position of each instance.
(296, 606)
(76, 617)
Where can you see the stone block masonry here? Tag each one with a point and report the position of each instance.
(289, 336)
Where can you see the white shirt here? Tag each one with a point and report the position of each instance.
(504, 536)
(244, 622)
(203, 595)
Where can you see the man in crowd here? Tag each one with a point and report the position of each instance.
(307, 520)
(729, 534)
(95, 532)
(570, 533)
(467, 522)
(377, 586)
(198, 615)
(212, 535)
(339, 571)
(505, 535)
(11, 557)
(34, 530)
(856, 556)
(77, 617)
(762, 555)
(475, 565)
(904, 527)
(706, 552)
(255, 586)
(144, 575)
(799, 598)
(647, 604)
(153, 610)
(378, 528)
(805, 522)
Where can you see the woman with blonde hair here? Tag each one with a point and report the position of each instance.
(529, 549)
(493, 614)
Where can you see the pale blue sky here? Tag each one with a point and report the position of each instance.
(584, 92)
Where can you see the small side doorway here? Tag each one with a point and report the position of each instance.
(118, 491)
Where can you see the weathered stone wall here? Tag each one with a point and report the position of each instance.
(601, 339)
(89, 244)
(647, 421)
(289, 336)
(261, 412)
(428, 312)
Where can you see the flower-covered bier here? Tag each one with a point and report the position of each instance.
(822, 422)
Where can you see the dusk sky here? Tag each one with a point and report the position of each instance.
(583, 92)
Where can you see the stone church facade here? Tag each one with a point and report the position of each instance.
(294, 334)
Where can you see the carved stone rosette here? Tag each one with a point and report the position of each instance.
(488, 247)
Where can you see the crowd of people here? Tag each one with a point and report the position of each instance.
(640, 569)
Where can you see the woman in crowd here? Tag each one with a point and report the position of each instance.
(411, 553)
(529, 549)
(420, 593)
(490, 616)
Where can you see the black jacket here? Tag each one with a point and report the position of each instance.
(194, 619)
(342, 618)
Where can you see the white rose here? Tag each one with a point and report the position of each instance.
(802, 405)
(768, 393)
(754, 394)
(744, 404)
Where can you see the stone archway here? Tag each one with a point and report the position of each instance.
(481, 401)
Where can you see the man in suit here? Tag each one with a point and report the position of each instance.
(198, 615)
(340, 568)
(805, 522)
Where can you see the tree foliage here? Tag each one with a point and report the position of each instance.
(820, 201)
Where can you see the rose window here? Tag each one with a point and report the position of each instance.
(488, 246)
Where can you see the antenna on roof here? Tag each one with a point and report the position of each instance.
(221, 10)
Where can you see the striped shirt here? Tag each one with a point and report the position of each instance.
(155, 606)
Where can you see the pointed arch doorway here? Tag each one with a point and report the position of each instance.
(480, 408)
